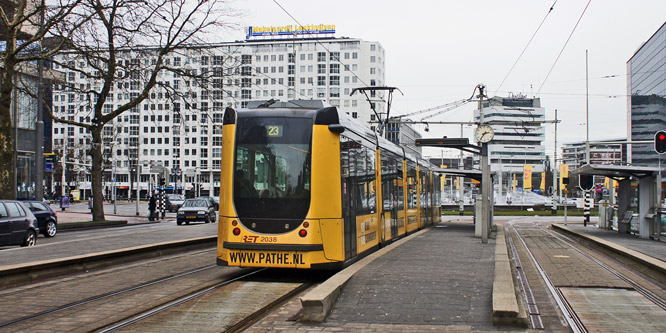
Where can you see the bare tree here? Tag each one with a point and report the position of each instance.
(127, 44)
(23, 25)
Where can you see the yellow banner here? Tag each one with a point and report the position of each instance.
(542, 187)
(457, 183)
(513, 183)
(564, 173)
(527, 177)
(443, 177)
(608, 182)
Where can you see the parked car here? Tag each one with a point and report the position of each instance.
(18, 226)
(47, 219)
(174, 201)
(212, 201)
(196, 210)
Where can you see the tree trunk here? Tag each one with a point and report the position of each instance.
(7, 171)
(96, 174)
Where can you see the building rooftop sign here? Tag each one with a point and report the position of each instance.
(289, 30)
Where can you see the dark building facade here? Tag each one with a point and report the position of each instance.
(646, 86)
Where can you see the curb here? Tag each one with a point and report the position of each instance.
(506, 310)
(90, 225)
(30, 272)
(318, 302)
(647, 265)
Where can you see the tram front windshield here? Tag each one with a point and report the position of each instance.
(272, 171)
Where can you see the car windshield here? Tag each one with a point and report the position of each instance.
(195, 203)
(176, 197)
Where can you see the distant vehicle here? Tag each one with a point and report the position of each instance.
(18, 226)
(215, 204)
(173, 202)
(196, 210)
(47, 219)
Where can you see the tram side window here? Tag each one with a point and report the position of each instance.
(399, 185)
(412, 194)
(391, 182)
(365, 181)
(371, 166)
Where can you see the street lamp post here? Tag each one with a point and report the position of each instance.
(176, 172)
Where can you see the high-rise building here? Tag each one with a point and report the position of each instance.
(179, 126)
(520, 142)
(519, 136)
(646, 87)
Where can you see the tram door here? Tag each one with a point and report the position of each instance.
(349, 191)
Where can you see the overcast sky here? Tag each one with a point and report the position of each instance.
(437, 51)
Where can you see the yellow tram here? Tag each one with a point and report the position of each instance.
(305, 186)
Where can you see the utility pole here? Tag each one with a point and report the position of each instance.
(587, 114)
(64, 166)
(486, 185)
(554, 166)
(461, 182)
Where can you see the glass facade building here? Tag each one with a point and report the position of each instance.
(646, 85)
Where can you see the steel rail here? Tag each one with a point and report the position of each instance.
(164, 307)
(103, 296)
(569, 314)
(530, 302)
(252, 318)
(656, 299)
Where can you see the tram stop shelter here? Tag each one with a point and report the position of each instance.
(476, 175)
(649, 182)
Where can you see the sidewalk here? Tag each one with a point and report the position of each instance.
(79, 212)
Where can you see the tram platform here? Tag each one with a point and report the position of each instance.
(439, 279)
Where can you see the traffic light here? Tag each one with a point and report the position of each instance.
(586, 182)
(660, 142)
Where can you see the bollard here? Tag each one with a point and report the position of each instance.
(587, 209)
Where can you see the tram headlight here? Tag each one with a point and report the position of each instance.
(234, 223)
(302, 233)
(236, 231)
(306, 224)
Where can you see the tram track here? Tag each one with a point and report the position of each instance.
(229, 306)
(656, 299)
(101, 297)
(570, 316)
(561, 291)
(87, 301)
(174, 303)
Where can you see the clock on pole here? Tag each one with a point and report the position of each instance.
(484, 133)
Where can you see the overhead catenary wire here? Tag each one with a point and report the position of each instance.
(563, 47)
(526, 46)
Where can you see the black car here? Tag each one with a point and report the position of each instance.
(196, 210)
(212, 201)
(173, 202)
(18, 226)
(47, 220)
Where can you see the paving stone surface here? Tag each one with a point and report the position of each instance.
(443, 277)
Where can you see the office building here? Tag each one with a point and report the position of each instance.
(184, 134)
(646, 90)
(601, 152)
